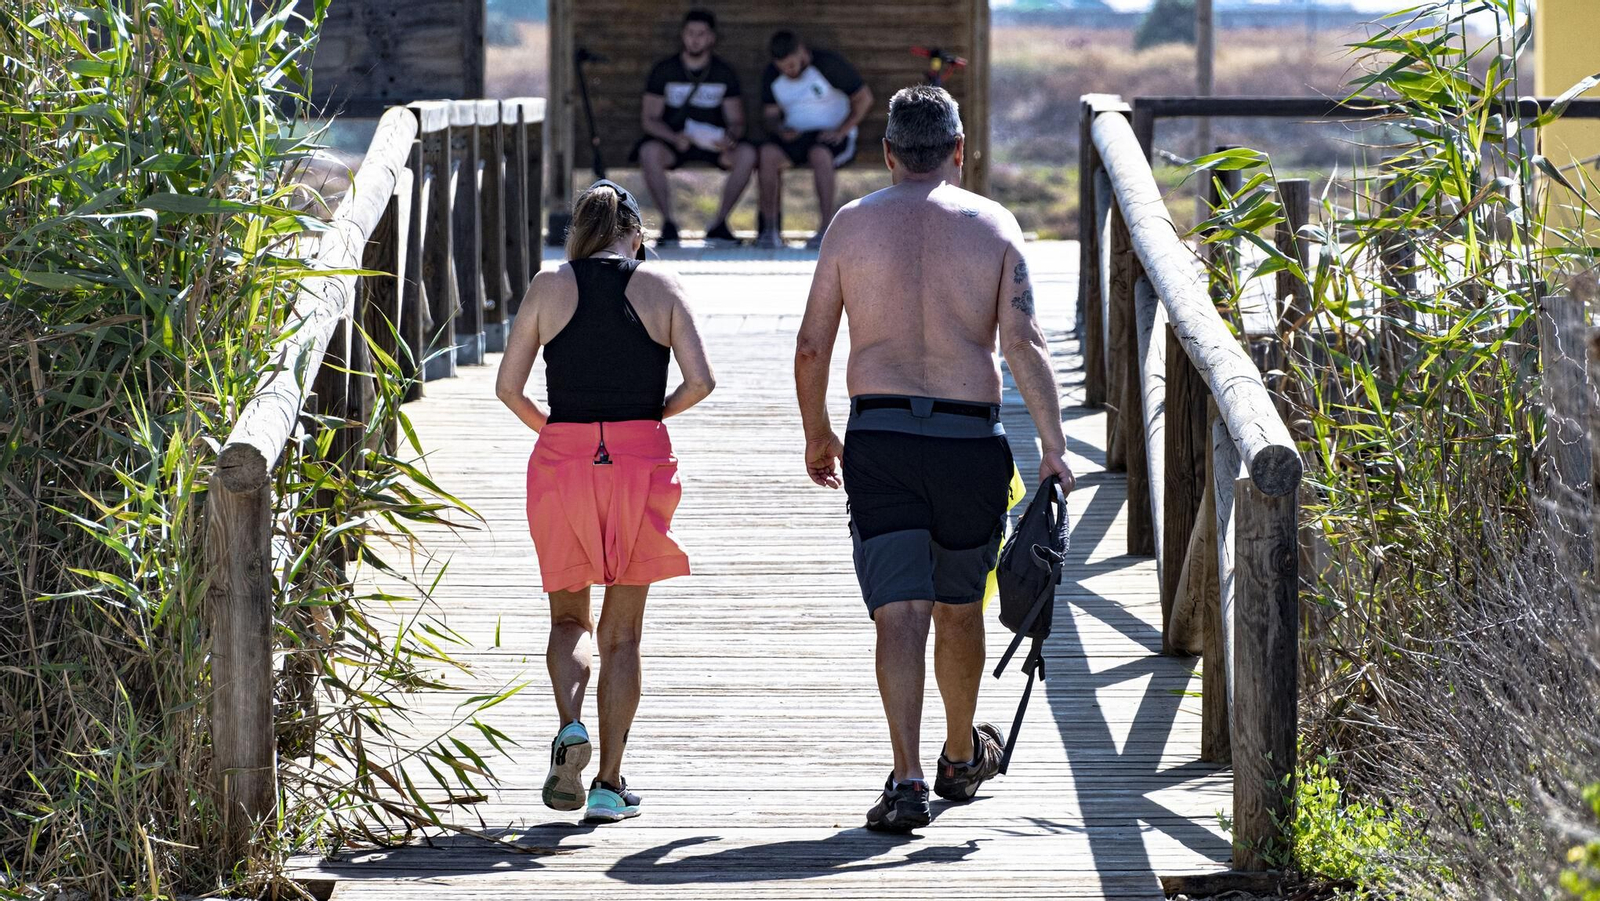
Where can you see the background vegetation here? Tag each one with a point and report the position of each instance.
(149, 253)
(1451, 661)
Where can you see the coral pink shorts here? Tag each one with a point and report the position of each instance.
(598, 523)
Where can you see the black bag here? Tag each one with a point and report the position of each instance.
(1029, 571)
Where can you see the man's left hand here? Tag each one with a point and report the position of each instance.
(822, 459)
(832, 136)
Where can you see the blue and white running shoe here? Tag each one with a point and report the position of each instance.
(610, 803)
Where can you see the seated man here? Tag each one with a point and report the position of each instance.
(813, 102)
(693, 113)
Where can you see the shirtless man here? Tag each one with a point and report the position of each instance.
(929, 274)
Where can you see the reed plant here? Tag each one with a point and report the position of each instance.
(1449, 664)
(150, 248)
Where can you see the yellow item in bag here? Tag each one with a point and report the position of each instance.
(1014, 495)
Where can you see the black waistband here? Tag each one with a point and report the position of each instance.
(990, 412)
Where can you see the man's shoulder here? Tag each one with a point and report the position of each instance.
(722, 70)
(666, 66)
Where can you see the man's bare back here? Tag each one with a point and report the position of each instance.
(921, 267)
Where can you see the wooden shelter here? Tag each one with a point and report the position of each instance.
(874, 35)
(374, 54)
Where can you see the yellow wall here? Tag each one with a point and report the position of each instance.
(1567, 50)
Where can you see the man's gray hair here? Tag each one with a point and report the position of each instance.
(924, 125)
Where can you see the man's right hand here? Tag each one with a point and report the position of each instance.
(788, 135)
(682, 142)
(822, 460)
(1054, 463)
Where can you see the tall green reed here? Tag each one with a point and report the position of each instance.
(149, 252)
(1414, 386)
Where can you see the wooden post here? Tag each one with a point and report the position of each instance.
(1265, 683)
(492, 223)
(1215, 720)
(381, 305)
(1205, 53)
(1562, 330)
(559, 115)
(416, 319)
(240, 603)
(517, 177)
(1187, 441)
(1120, 350)
(466, 253)
(1226, 472)
(1090, 304)
(436, 213)
(538, 144)
(1144, 128)
(1147, 376)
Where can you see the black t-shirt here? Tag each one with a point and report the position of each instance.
(674, 82)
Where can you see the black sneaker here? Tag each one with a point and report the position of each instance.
(960, 781)
(669, 233)
(901, 808)
(721, 232)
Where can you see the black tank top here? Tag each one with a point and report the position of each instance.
(604, 366)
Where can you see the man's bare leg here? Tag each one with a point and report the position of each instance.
(773, 162)
(621, 621)
(654, 158)
(958, 658)
(826, 178)
(902, 668)
(744, 163)
(567, 652)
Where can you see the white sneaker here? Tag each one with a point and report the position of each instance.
(569, 754)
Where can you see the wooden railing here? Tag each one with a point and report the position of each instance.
(446, 204)
(1212, 472)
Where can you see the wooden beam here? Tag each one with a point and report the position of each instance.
(1252, 419)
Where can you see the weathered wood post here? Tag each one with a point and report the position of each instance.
(239, 600)
(1293, 294)
(436, 212)
(1123, 273)
(1150, 383)
(1266, 582)
(416, 294)
(1091, 305)
(383, 311)
(1216, 675)
(492, 223)
(466, 252)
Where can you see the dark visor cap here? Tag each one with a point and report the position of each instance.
(628, 201)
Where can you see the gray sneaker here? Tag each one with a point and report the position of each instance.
(901, 808)
(569, 754)
(960, 781)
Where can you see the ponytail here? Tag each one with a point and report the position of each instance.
(598, 219)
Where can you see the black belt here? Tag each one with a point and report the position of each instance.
(977, 411)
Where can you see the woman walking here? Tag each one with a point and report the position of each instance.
(602, 480)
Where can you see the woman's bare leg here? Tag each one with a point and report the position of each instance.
(567, 653)
(621, 620)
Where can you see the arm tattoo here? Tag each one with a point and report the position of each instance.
(969, 212)
(1023, 303)
(1020, 274)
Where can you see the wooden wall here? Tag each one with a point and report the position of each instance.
(379, 53)
(874, 35)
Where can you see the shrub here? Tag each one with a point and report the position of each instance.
(1167, 22)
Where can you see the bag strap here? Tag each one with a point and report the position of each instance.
(1024, 628)
(1034, 666)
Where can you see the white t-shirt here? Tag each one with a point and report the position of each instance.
(817, 100)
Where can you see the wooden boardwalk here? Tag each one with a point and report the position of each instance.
(760, 741)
